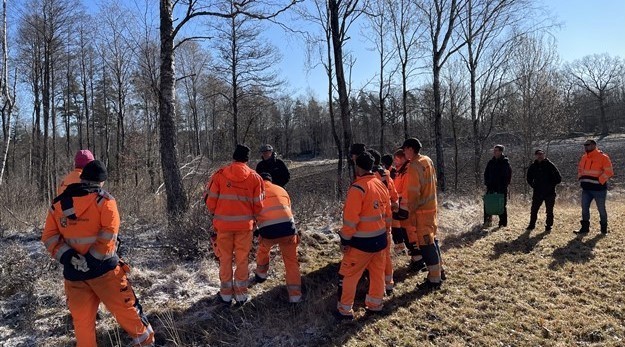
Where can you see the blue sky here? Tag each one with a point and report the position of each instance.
(587, 27)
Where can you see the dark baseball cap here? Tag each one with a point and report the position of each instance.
(413, 143)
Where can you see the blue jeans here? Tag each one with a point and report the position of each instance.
(599, 197)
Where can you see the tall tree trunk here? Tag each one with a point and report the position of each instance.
(337, 45)
(235, 83)
(176, 196)
(477, 143)
(604, 121)
(7, 107)
(91, 103)
(53, 165)
(438, 131)
(107, 136)
(404, 98)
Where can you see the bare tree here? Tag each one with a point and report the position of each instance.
(321, 15)
(598, 74)
(8, 98)
(457, 101)
(193, 64)
(441, 19)
(176, 196)
(488, 28)
(117, 56)
(245, 63)
(379, 24)
(342, 14)
(41, 31)
(408, 35)
(535, 106)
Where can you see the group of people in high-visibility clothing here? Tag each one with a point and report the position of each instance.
(244, 203)
(391, 206)
(383, 208)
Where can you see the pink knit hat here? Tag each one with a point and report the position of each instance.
(82, 158)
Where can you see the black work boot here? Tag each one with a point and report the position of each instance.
(604, 228)
(585, 227)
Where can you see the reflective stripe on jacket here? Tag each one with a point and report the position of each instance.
(234, 196)
(275, 220)
(419, 187)
(366, 214)
(594, 170)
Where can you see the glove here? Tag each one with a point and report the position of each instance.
(401, 214)
(394, 207)
(79, 262)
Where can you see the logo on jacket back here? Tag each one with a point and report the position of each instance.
(376, 204)
(229, 184)
(63, 222)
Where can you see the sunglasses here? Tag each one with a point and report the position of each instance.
(587, 144)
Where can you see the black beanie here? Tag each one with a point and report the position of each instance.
(95, 171)
(376, 156)
(357, 149)
(365, 161)
(241, 153)
(387, 160)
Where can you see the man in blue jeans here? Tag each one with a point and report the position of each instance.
(594, 171)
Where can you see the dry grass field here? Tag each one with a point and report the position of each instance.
(504, 287)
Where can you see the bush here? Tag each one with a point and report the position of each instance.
(17, 270)
(191, 238)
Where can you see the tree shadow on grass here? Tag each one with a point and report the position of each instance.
(576, 251)
(522, 244)
(268, 319)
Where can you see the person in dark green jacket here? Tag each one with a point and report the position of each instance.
(543, 176)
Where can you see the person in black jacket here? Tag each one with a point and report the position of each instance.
(497, 177)
(542, 176)
(273, 166)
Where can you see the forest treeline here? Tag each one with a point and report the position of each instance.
(143, 84)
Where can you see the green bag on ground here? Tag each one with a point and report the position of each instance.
(493, 203)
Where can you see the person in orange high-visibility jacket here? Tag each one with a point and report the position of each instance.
(82, 158)
(385, 176)
(420, 191)
(364, 238)
(401, 224)
(276, 226)
(81, 233)
(593, 172)
(234, 196)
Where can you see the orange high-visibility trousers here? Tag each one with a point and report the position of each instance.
(114, 290)
(424, 235)
(424, 227)
(288, 248)
(237, 245)
(353, 265)
(389, 284)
